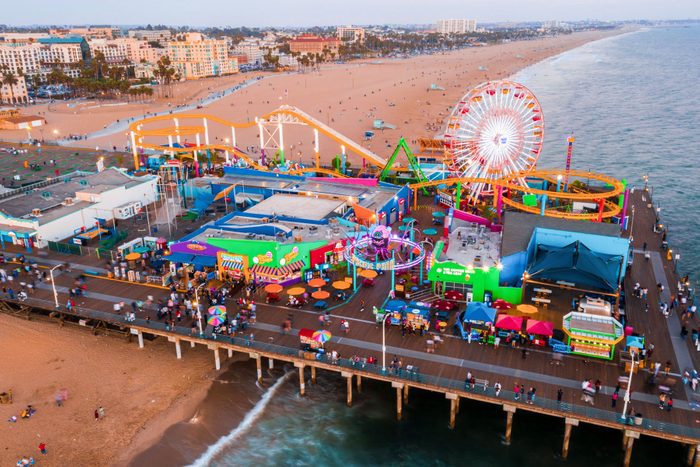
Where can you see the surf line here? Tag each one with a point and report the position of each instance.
(250, 418)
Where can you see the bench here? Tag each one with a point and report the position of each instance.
(484, 383)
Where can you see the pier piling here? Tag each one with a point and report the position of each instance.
(454, 400)
(192, 344)
(399, 399)
(359, 383)
(217, 357)
(178, 349)
(271, 363)
(140, 335)
(313, 374)
(348, 378)
(691, 455)
(230, 353)
(630, 436)
(568, 424)
(258, 365)
(510, 410)
(302, 385)
(405, 394)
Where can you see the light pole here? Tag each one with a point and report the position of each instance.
(629, 385)
(384, 342)
(632, 225)
(199, 311)
(53, 285)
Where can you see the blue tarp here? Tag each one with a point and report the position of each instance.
(179, 258)
(208, 261)
(395, 305)
(478, 312)
(577, 264)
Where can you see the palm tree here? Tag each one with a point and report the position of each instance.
(9, 79)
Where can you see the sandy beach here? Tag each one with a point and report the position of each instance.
(347, 97)
(138, 388)
(145, 391)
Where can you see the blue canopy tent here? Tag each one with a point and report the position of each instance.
(477, 313)
(395, 306)
(576, 264)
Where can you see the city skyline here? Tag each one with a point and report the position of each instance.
(316, 13)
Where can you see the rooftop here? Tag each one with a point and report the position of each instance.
(518, 228)
(299, 207)
(472, 244)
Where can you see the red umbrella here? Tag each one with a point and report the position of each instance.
(509, 323)
(454, 295)
(501, 304)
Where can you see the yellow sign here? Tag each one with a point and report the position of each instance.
(291, 255)
(263, 259)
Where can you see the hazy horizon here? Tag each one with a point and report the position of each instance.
(304, 13)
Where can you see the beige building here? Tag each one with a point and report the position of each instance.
(117, 51)
(15, 94)
(351, 34)
(37, 58)
(108, 32)
(455, 26)
(310, 44)
(194, 56)
(154, 35)
(252, 48)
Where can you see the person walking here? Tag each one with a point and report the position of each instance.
(669, 404)
(614, 399)
(42, 448)
(522, 391)
(468, 380)
(516, 392)
(497, 388)
(560, 394)
(101, 412)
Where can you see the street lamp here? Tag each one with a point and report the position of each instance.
(53, 285)
(199, 312)
(384, 342)
(629, 385)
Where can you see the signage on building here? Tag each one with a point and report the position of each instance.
(263, 259)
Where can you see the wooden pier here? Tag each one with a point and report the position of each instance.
(444, 370)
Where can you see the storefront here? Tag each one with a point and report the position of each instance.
(232, 267)
(324, 258)
(591, 335)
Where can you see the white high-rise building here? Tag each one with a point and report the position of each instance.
(455, 26)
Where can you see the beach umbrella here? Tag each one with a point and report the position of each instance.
(133, 257)
(321, 336)
(438, 214)
(341, 285)
(321, 295)
(368, 274)
(528, 309)
(318, 282)
(273, 288)
(217, 310)
(454, 295)
(216, 320)
(429, 232)
(294, 291)
(501, 304)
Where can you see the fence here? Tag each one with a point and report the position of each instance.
(443, 384)
(72, 249)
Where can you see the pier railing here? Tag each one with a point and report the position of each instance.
(403, 374)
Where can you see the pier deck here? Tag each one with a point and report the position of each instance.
(446, 368)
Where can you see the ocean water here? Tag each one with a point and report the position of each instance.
(633, 105)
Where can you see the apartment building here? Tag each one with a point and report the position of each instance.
(194, 56)
(15, 94)
(153, 35)
(117, 51)
(455, 26)
(38, 58)
(89, 32)
(350, 34)
(311, 44)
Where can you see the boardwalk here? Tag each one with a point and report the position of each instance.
(445, 369)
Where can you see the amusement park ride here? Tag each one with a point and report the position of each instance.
(489, 151)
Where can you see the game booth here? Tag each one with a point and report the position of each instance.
(539, 332)
(592, 335)
(395, 309)
(479, 316)
(418, 315)
(232, 267)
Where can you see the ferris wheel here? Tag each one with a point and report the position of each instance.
(495, 130)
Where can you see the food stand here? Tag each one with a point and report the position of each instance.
(591, 335)
(539, 331)
(595, 306)
(418, 314)
(509, 323)
(478, 315)
(395, 309)
(307, 342)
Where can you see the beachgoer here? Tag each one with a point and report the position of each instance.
(42, 448)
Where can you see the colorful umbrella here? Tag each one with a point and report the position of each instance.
(528, 309)
(321, 295)
(341, 285)
(369, 273)
(273, 288)
(217, 310)
(133, 257)
(501, 304)
(318, 282)
(294, 291)
(322, 336)
(216, 320)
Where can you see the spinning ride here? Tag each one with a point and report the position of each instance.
(495, 130)
(379, 250)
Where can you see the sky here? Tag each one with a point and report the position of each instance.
(332, 12)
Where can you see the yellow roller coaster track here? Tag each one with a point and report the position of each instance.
(297, 116)
(611, 209)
